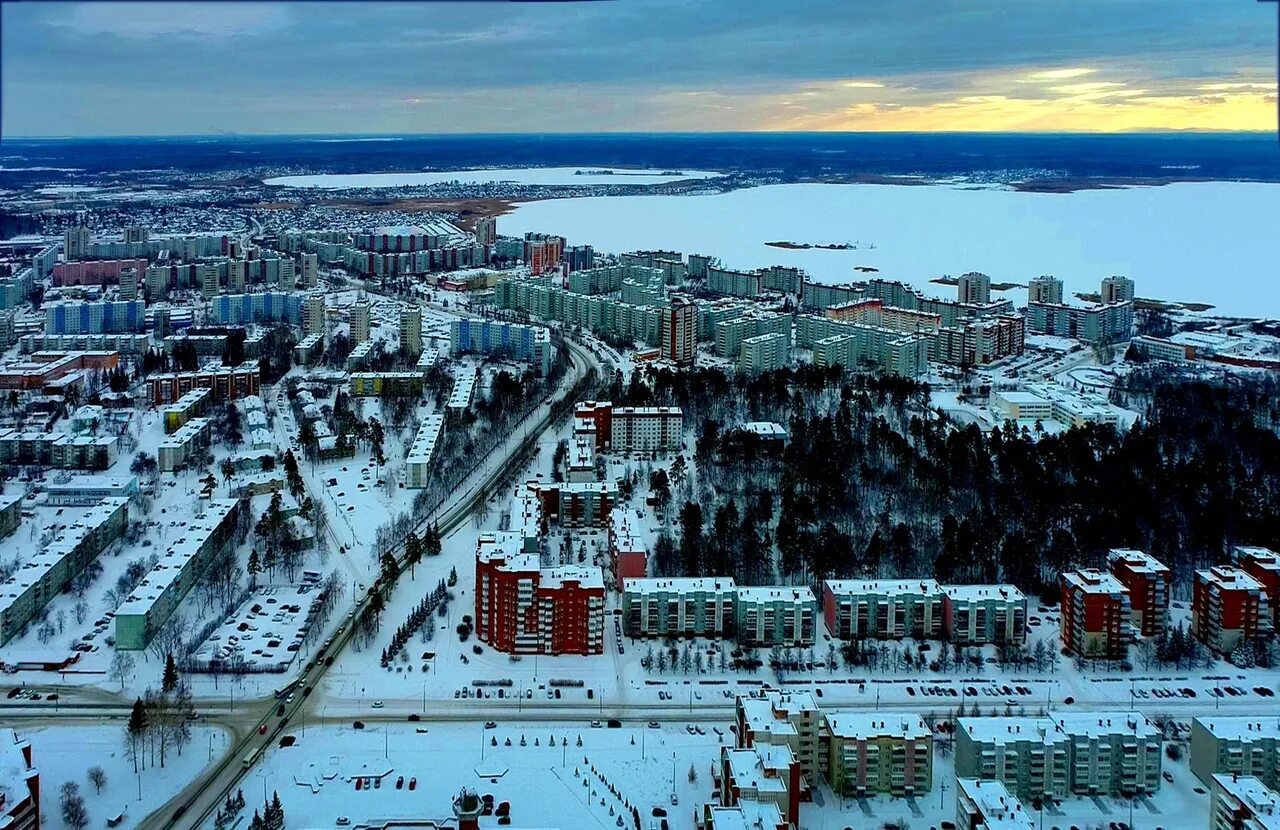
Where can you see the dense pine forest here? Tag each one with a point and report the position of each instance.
(873, 481)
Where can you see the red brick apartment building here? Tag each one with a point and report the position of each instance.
(1095, 614)
(227, 383)
(522, 608)
(1228, 607)
(1263, 565)
(1148, 581)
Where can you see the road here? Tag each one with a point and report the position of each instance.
(201, 798)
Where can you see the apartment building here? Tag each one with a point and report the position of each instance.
(463, 390)
(582, 504)
(58, 450)
(522, 608)
(1028, 755)
(878, 752)
(259, 307)
(858, 346)
(767, 776)
(361, 314)
(102, 317)
(10, 512)
(48, 573)
(1228, 607)
(421, 453)
(226, 383)
(310, 270)
(1087, 753)
(1045, 289)
(154, 600)
(973, 288)
(176, 449)
(858, 609)
(1263, 565)
(1102, 323)
(765, 353)
(790, 719)
(19, 784)
(629, 428)
(1095, 614)
(314, 314)
(680, 331)
(1245, 746)
(988, 805)
(486, 230)
(191, 405)
(775, 616)
(627, 550)
(1117, 290)
(385, 384)
(678, 606)
(411, 331)
(1242, 803)
(978, 615)
(1148, 582)
(529, 344)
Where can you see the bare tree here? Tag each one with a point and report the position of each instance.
(98, 778)
(122, 666)
(73, 811)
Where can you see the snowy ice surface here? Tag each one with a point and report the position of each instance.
(1207, 242)
(532, 175)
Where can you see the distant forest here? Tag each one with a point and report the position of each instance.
(873, 482)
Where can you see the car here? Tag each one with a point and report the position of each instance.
(503, 809)
(400, 783)
(377, 704)
(674, 801)
(1168, 777)
(689, 728)
(653, 724)
(659, 812)
(415, 717)
(413, 783)
(280, 710)
(342, 821)
(595, 724)
(358, 725)
(262, 729)
(490, 725)
(911, 691)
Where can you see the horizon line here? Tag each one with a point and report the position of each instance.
(624, 133)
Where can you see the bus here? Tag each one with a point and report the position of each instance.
(251, 758)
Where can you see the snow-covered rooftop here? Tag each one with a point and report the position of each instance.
(1137, 561)
(1093, 581)
(978, 593)
(889, 587)
(999, 809)
(680, 585)
(1241, 728)
(1262, 801)
(863, 726)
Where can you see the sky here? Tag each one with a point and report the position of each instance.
(637, 66)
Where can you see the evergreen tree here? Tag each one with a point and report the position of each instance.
(169, 681)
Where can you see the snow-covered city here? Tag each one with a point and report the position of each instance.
(633, 477)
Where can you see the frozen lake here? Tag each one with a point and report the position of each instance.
(531, 175)
(1212, 242)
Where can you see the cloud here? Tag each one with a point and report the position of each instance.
(1058, 74)
(863, 85)
(146, 21)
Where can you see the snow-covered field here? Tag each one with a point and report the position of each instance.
(1207, 242)
(532, 175)
(543, 783)
(65, 753)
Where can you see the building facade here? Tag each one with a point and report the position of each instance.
(1228, 607)
(1095, 614)
(1148, 582)
(858, 609)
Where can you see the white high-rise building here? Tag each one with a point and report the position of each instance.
(313, 315)
(310, 270)
(1045, 289)
(974, 288)
(411, 330)
(75, 242)
(360, 314)
(1117, 290)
